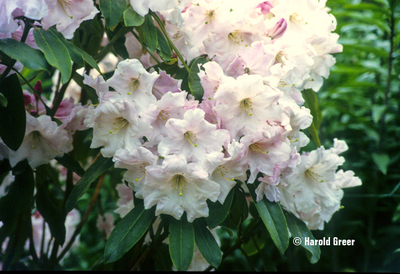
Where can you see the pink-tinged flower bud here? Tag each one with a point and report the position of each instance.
(265, 7)
(38, 88)
(278, 30)
(27, 99)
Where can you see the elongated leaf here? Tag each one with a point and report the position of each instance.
(194, 80)
(19, 195)
(91, 174)
(382, 161)
(55, 51)
(113, 11)
(218, 212)
(274, 219)
(3, 101)
(150, 30)
(128, 232)
(299, 229)
(206, 243)
(13, 116)
(52, 212)
(68, 162)
(88, 59)
(312, 103)
(181, 243)
(29, 57)
(163, 48)
(131, 18)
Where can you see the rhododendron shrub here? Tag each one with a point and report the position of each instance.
(203, 112)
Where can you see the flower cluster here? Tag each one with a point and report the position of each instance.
(179, 152)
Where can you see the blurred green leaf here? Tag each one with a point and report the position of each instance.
(3, 100)
(382, 161)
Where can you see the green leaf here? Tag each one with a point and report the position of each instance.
(67, 161)
(194, 80)
(150, 31)
(55, 51)
(19, 195)
(312, 103)
(382, 161)
(181, 243)
(128, 232)
(13, 116)
(29, 57)
(131, 18)
(218, 212)
(206, 243)
(163, 48)
(46, 204)
(299, 229)
(113, 11)
(238, 212)
(92, 173)
(272, 215)
(88, 59)
(3, 100)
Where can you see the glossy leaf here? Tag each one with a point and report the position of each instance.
(92, 173)
(55, 51)
(272, 215)
(113, 11)
(68, 162)
(163, 48)
(382, 161)
(194, 80)
(13, 116)
(29, 57)
(206, 243)
(128, 232)
(299, 229)
(312, 103)
(218, 212)
(181, 243)
(151, 37)
(131, 18)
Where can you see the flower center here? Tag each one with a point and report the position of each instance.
(162, 115)
(65, 5)
(314, 175)
(223, 171)
(295, 17)
(119, 124)
(35, 137)
(257, 148)
(133, 85)
(180, 181)
(245, 104)
(191, 138)
(281, 57)
(209, 16)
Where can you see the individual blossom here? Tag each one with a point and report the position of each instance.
(314, 190)
(176, 187)
(44, 140)
(133, 82)
(116, 125)
(192, 136)
(67, 15)
(142, 7)
(135, 161)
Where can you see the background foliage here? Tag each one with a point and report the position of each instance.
(359, 103)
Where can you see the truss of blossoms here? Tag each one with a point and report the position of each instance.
(202, 104)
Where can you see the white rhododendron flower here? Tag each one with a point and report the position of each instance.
(177, 186)
(43, 141)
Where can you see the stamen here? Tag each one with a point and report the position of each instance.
(222, 171)
(295, 17)
(209, 16)
(67, 3)
(256, 148)
(119, 124)
(315, 176)
(246, 105)
(133, 85)
(179, 180)
(35, 137)
(163, 116)
(189, 136)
